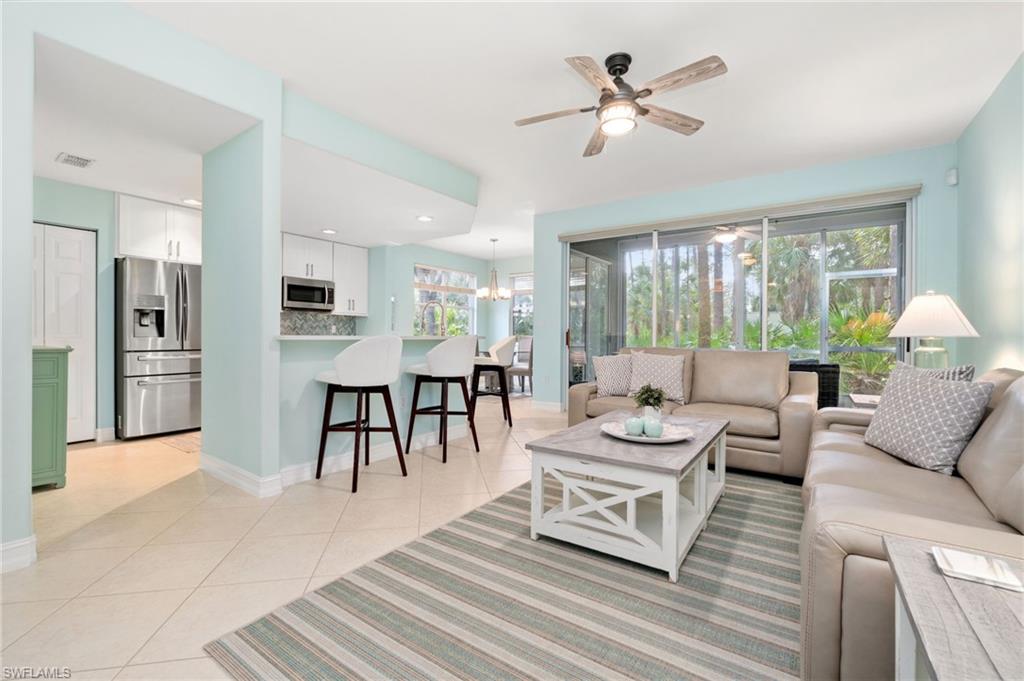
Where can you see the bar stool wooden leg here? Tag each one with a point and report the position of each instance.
(412, 412)
(386, 393)
(473, 390)
(328, 406)
(444, 420)
(469, 417)
(358, 432)
(503, 385)
(367, 441)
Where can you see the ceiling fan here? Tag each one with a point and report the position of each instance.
(619, 105)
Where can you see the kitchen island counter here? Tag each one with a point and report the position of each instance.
(321, 338)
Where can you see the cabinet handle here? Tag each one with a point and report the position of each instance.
(178, 255)
(312, 270)
(168, 249)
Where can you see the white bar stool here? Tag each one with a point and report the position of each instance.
(500, 359)
(451, 361)
(363, 368)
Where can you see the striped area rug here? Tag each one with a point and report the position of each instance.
(478, 599)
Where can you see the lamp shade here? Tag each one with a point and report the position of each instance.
(932, 315)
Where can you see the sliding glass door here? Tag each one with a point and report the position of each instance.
(832, 291)
(588, 335)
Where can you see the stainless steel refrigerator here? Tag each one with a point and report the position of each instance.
(158, 339)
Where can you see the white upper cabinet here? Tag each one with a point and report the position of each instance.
(351, 283)
(162, 231)
(142, 228)
(302, 256)
(186, 233)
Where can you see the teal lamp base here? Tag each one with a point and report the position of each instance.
(930, 354)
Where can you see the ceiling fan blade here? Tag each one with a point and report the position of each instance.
(554, 114)
(596, 144)
(672, 120)
(594, 74)
(688, 75)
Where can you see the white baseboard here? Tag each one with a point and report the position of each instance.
(255, 485)
(547, 406)
(17, 554)
(104, 435)
(334, 463)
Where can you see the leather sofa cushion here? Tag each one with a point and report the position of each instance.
(753, 379)
(687, 354)
(887, 514)
(599, 406)
(873, 470)
(993, 461)
(743, 420)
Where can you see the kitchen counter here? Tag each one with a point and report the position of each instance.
(354, 338)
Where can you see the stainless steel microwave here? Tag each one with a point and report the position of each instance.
(298, 293)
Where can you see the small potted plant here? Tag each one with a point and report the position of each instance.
(650, 400)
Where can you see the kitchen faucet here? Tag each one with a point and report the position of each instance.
(423, 317)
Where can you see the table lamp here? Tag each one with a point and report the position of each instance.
(930, 318)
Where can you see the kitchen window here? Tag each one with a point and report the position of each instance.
(521, 310)
(444, 302)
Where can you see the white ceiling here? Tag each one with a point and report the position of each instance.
(148, 138)
(365, 206)
(808, 83)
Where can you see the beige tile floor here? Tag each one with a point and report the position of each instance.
(143, 558)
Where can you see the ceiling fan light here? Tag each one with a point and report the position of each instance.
(725, 237)
(617, 119)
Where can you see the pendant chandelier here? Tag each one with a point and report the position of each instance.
(493, 292)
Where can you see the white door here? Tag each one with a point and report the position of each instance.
(321, 259)
(187, 235)
(38, 282)
(142, 228)
(294, 252)
(70, 319)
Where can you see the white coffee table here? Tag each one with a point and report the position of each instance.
(645, 503)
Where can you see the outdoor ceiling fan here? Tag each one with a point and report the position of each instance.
(619, 105)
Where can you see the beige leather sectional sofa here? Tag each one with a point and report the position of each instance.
(770, 408)
(854, 494)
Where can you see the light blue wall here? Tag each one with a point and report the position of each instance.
(499, 311)
(936, 229)
(120, 34)
(991, 223)
(314, 124)
(391, 274)
(239, 371)
(72, 205)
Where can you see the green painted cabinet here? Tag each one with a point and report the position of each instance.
(49, 416)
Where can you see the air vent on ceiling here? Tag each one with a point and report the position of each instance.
(72, 160)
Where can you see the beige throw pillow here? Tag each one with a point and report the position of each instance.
(613, 373)
(659, 371)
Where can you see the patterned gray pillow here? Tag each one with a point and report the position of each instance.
(658, 371)
(613, 374)
(925, 421)
(961, 373)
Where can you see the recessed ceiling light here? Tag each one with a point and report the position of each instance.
(329, 231)
(192, 202)
(425, 218)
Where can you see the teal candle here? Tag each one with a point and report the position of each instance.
(634, 426)
(653, 428)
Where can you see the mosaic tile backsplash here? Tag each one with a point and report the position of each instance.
(303, 323)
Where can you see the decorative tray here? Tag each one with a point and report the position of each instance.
(671, 433)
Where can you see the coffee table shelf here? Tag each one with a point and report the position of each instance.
(643, 503)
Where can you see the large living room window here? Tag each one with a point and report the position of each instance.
(832, 290)
(445, 302)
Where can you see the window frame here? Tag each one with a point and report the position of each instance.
(444, 289)
(512, 301)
